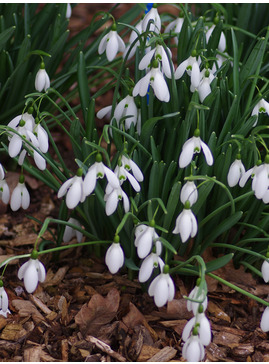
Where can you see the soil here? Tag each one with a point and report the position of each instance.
(83, 313)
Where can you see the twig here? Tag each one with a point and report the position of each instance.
(105, 348)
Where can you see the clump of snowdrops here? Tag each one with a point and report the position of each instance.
(181, 164)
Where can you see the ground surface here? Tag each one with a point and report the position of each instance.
(83, 313)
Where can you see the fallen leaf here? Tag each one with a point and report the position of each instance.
(26, 308)
(98, 312)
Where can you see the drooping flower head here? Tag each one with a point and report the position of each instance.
(191, 65)
(186, 223)
(73, 189)
(42, 81)
(20, 196)
(261, 107)
(192, 146)
(111, 43)
(114, 256)
(153, 19)
(162, 288)
(236, 171)
(145, 238)
(69, 232)
(32, 272)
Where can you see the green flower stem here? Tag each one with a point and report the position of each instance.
(181, 265)
(250, 267)
(234, 247)
(6, 261)
(240, 290)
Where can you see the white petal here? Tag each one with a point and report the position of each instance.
(245, 177)
(41, 271)
(105, 111)
(146, 268)
(194, 228)
(5, 193)
(207, 153)
(112, 46)
(261, 183)
(30, 277)
(112, 203)
(126, 203)
(16, 198)
(195, 75)
(22, 269)
(121, 44)
(111, 178)
(144, 243)
(265, 320)
(265, 271)
(161, 292)
(189, 193)
(205, 331)
(204, 90)
(186, 333)
(133, 181)
(136, 171)
(160, 87)
(14, 146)
(187, 153)
(64, 187)
(74, 193)
(42, 138)
(153, 285)
(3, 299)
(25, 199)
(103, 44)
(145, 61)
(114, 258)
(181, 69)
(171, 288)
(185, 226)
(89, 182)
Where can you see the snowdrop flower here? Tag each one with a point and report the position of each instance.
(70, 233)
(199, 296)
(111, 43)
(192, 146)
(154, 16)
(39, 160)
(265, 271)
(42, 81)
(112, 197)
(261, 107)
(126, 108)
(235, 172)
(99, 170)
(3, 299)
(73, 189)
(160, 54)
(189, 193)
(68, 11)
(149, 263)
(131, 166)
(175, 27)
(4, 191)
(155, 79)
(104, 112)
(21, 126)
(114, 256)
(42, 137)
(264, 324)
(20, 196)
(193, 350)
(204, 88)
(2, 172)
(191, 66)
(204, 329)
(186, 223)
(132, 39)
(32, 272)
(162, 288)
(123, 175)
(145, 235)
(222, 40)
(260, 181)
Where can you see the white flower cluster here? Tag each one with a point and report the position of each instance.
(197, 332)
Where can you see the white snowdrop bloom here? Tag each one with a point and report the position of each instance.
(132, 39)
(222, 40)
(159, 53)
(68, 11)
(265, 271)
(16, 141)
(261, 107)
(126, 107)
(70, 233)
(186, 224)
(175, 27)
(131, 166)
(162, 289)
(42, 80)
(39, 160)
(4, 191)
(32, 272)
(104, 112)
(123, 175)
(194, 294)
(260, 181)
(192, 146)
(99, 170)
(204, 330)
(73, 189)
(189, 193)
(154, 16)
(155, 79)
(112, 197)
(204, 88)
(149, 263)
(111, 43)
(20, 197)
(264, 324)
(191, 66)
(235, 172)
(144, 238)
(3, 298)
(193, 350)
(114, 258)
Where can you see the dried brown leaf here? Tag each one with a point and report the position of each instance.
(26, 308)
(98, 312)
